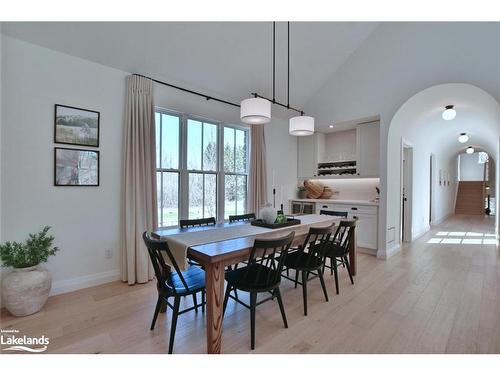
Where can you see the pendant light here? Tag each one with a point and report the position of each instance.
(463, 138)
(449, 113)
(469, 150)
(255, 111)
(301, 126)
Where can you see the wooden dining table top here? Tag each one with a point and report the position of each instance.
(218, 251)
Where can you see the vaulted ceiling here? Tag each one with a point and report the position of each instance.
(227, 59)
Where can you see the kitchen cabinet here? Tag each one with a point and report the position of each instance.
(366, 225)
(359, 146)
(368, 139)
(299, 208)
(310, 151)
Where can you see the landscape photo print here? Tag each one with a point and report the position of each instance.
(76, 126)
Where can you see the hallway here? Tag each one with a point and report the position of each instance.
(441, 294)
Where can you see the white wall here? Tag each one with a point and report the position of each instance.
(470, 169)
(395, 62)
(84, 220)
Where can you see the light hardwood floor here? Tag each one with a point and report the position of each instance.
(430, 298)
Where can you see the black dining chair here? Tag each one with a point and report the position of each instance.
(244, 217)
(308, 259)
(262, 274)
(337, 250)
(173, 284)
(189, 223)
(333, 213)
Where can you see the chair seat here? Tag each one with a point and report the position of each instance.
(334, 250)
(195, 280)
(253, 278)
(299, 260)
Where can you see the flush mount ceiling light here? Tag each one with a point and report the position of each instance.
(469, 150)
(449, 113)
(257, 110)
(463, 138)
(330, 126)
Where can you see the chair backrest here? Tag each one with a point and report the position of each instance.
(244, 217)
(333, 213)
(156, 248)
(270, 253)
(345, 234)
(316, 241)
(196, 222)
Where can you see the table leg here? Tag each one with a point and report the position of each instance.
(214, 280)
(352, 255)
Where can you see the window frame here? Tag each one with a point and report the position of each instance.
(237, 173)
(183, 171)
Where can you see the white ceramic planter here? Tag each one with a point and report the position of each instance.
(25, 290)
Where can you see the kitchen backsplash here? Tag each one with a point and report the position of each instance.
(354, 188)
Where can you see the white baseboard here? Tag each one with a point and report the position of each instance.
(439, 221)
(421, 232)
(87, 281)
(394, 249)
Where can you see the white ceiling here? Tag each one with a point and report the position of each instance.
(478, 115)
(229, 59)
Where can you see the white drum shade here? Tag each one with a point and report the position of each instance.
(301, 125)
(255, 111)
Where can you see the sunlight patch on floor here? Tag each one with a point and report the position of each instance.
(464, 238)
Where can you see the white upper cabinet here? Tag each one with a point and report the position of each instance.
(310, 151)
(368, 146)
(360, 144)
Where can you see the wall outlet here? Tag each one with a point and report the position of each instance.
(108, 253)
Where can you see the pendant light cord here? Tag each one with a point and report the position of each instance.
(288, 73)
(274, 62)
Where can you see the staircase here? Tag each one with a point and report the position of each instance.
(470, 198)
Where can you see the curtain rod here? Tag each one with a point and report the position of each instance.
(207, 97)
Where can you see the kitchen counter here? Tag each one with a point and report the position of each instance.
(338, 201)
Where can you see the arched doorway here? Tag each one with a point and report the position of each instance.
(419, 122)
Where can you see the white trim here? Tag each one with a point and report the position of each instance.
(396, 248)
(87, 281)
(420, 233)
(445, 217)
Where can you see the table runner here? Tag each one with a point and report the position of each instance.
(179, 243)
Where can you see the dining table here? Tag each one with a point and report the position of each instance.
(217, 249)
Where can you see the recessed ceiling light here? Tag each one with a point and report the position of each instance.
(330, 126)
(463, 138)
(470, 150)
(449, 113)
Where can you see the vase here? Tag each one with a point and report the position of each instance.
(25, 290)
(302, 194)
(268, 214)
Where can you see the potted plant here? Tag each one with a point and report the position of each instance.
(26, 289)
(302, 192)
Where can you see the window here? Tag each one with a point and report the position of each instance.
(167, 168)
(235, 170)
(201, 168)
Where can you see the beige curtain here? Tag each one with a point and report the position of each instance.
(257, 186)
(138, 180)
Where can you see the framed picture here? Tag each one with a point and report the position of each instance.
(76, 126)
(76, 167)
